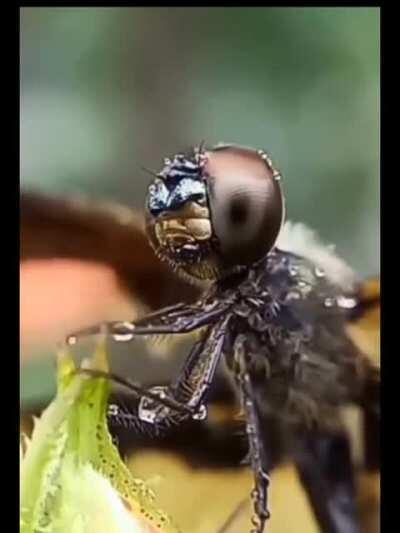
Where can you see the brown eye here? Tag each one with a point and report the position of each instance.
(245, 201)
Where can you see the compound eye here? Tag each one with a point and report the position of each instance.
(246, 203)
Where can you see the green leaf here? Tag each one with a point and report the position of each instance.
(72, 477)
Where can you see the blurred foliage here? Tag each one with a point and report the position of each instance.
(106, 90)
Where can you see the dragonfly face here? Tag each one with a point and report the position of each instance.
(215, 211)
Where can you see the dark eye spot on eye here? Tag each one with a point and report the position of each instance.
(238, 211)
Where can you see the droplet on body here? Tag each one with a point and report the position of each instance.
(346, 302)
(329, 302)
(150, 410)
(201, 413)
(293, 295)
(113, 409)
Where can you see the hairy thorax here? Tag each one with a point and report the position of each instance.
(289, 321)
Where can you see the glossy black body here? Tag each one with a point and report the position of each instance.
(280, 328)
(293, 329)
(278, 324)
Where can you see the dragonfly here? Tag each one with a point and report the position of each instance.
(273, 306)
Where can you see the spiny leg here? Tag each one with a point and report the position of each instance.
(132, 416)
(141, 392)
(165, 406)
(180, 318)
(326, 472)
(176, 319)
(198, 371)
(258, 454)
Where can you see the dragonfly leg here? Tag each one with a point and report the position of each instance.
(176, 319)
(257, 448)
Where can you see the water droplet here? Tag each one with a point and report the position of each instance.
(150, 410)
(146, 415)
(71, 340)
(122, 337)
(319, 273)
(293, 295)
(346, 302)
(126, 331)
(329, 302)
(201, 413)
(113, 410)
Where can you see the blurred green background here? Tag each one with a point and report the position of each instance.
(105, 91)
